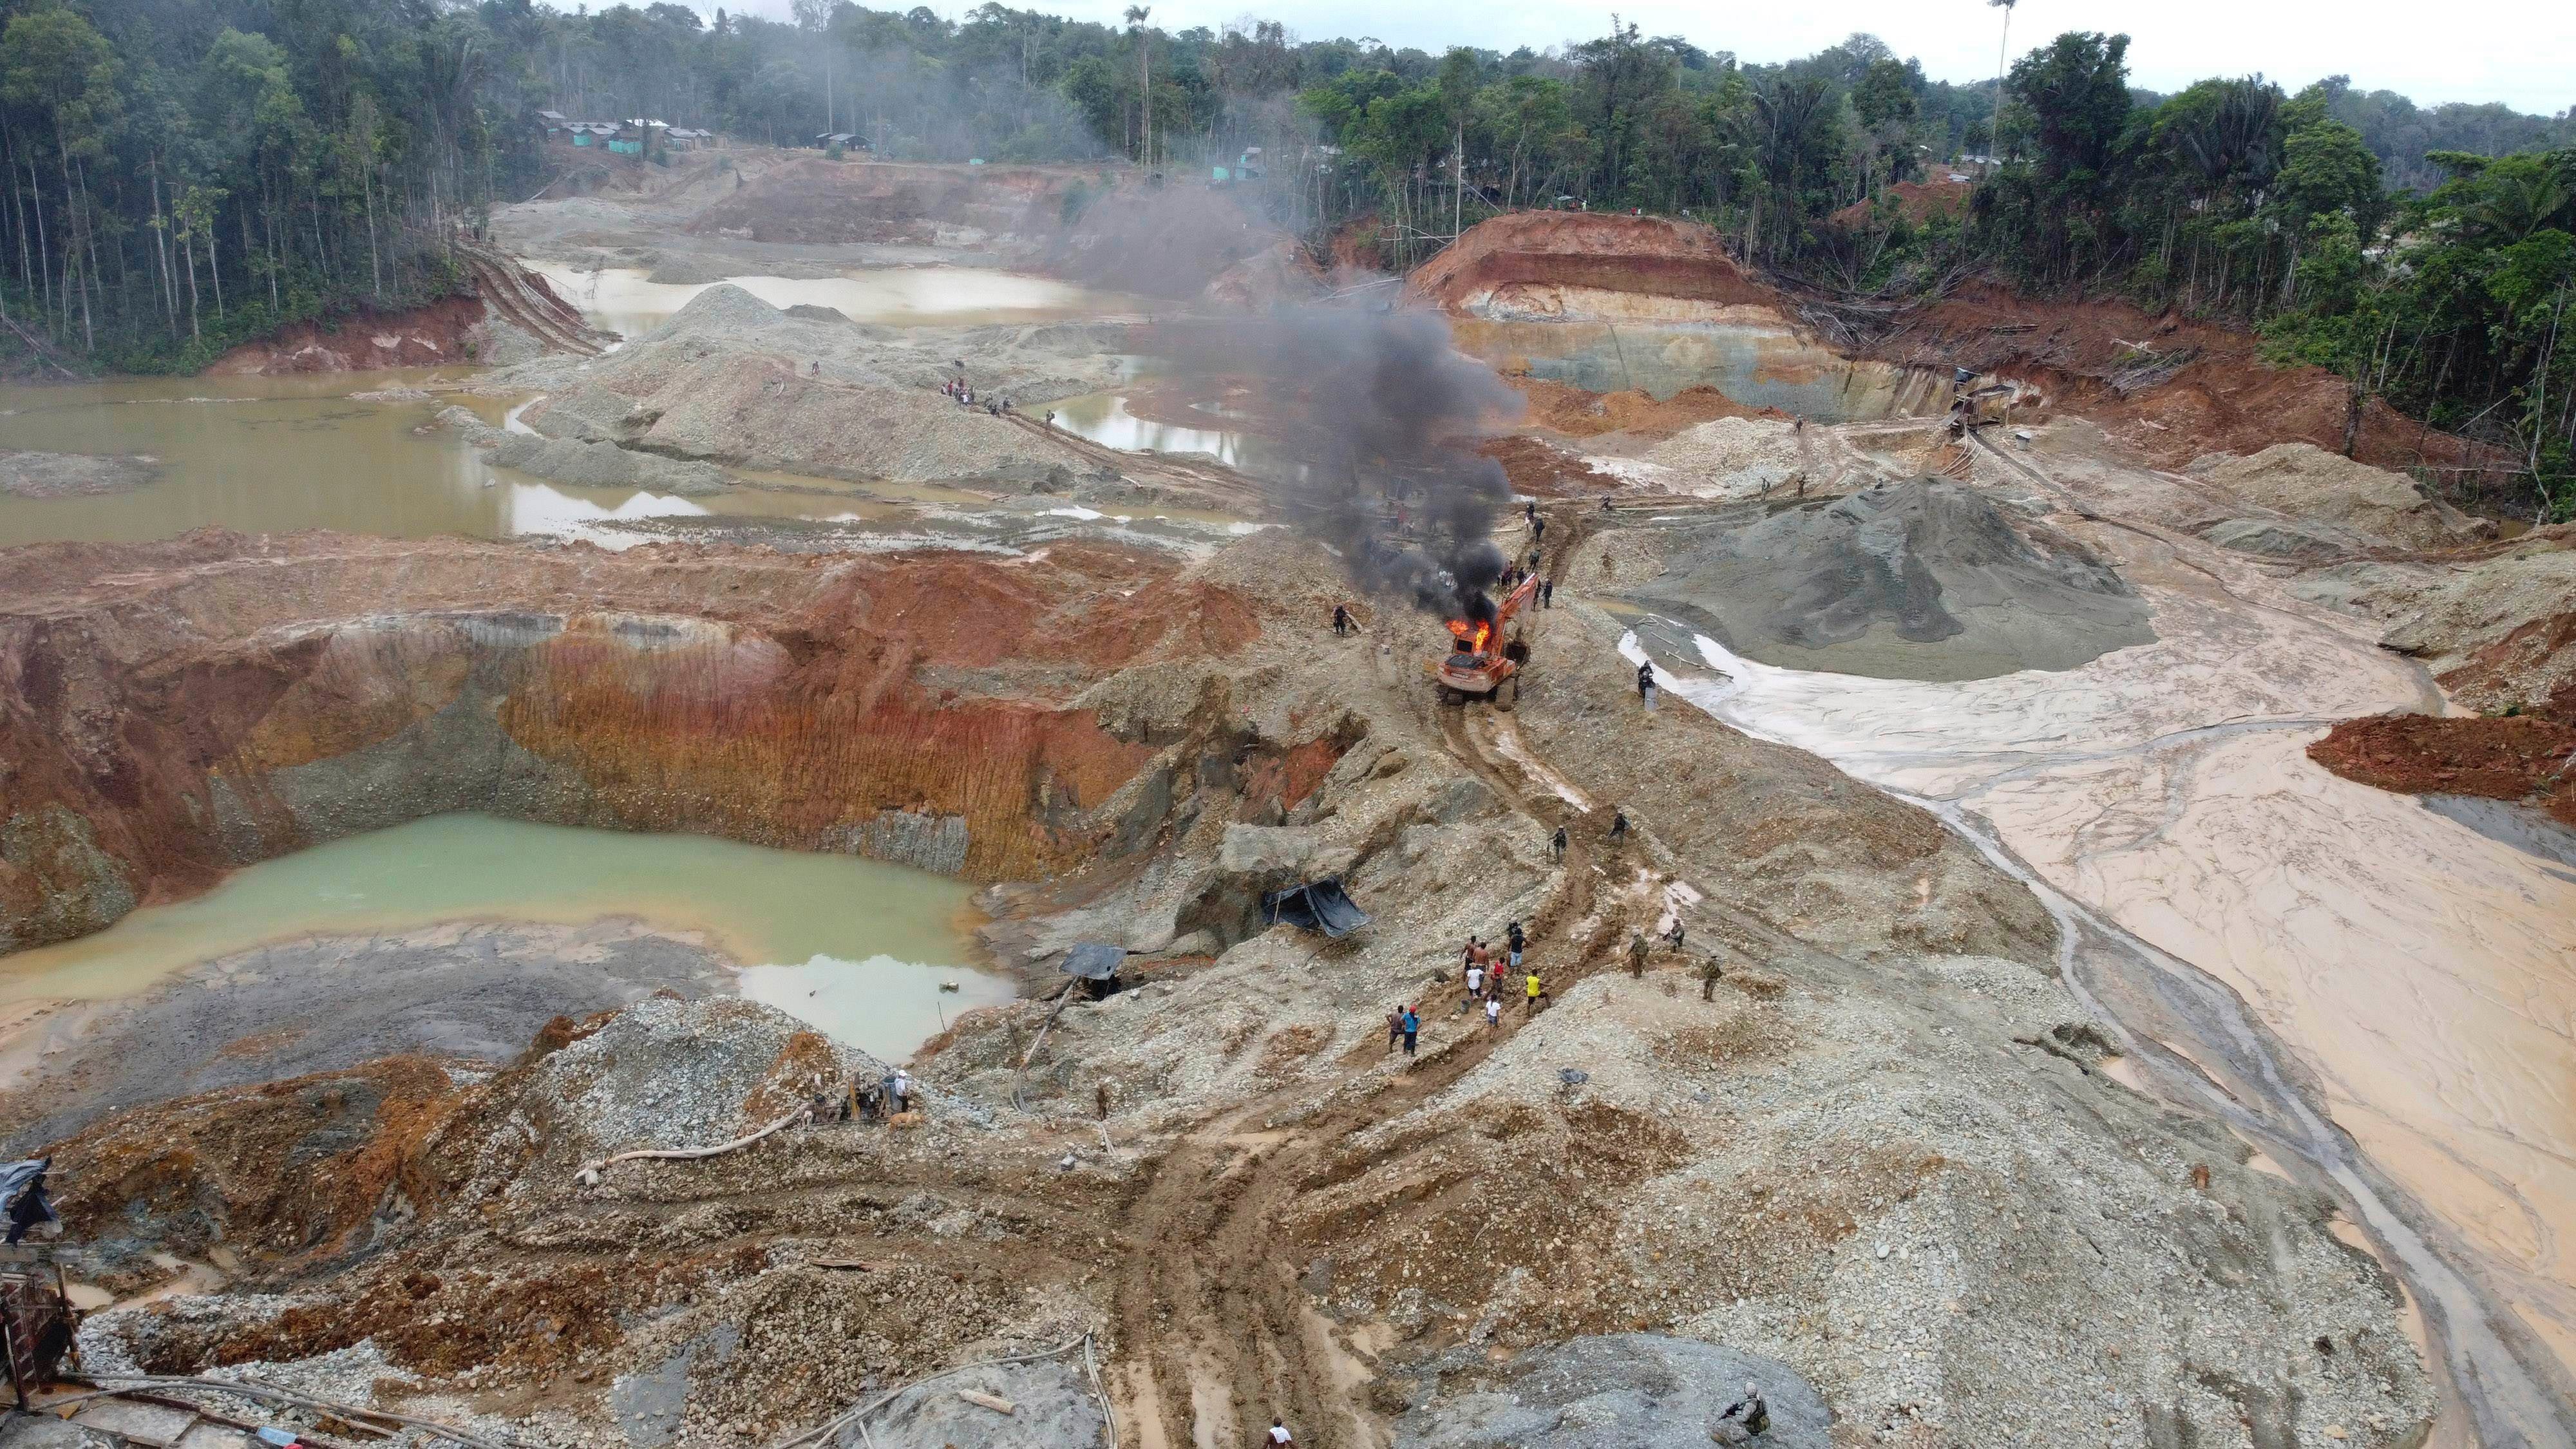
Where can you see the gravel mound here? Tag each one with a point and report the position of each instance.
(587, 464)
(1728, 457)
(2307, 482)
(666, 1073)
(74, 475)
(1921, 580)
(1616, 1391)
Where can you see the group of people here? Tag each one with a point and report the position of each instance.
(887, 1097)
(960, 391)
(1486, 974)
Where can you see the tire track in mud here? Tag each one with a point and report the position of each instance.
(1217, 1333)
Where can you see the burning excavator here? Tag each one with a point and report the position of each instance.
(1486, 655)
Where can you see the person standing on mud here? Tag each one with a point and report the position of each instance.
(1709, 973)
(1494, 1009)
(1394, 1027)
(1341, 622)
(1618, 827)
(1412, 1029)
(1547, 592)
(1636, 953)
(1535, 990)
(1475, 987)
(1646, 682)
(1519, 940)
(1279, 1433)
(1556, 844)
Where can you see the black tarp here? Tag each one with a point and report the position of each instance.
(1317, 905)
(1093, 961)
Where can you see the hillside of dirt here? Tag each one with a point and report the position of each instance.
(2528, 758)
(1099, 227)
(1557, 264)
(2170, 388)
(179, 709)
(1886, 1124)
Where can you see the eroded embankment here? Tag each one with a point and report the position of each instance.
(175, 710)
(1881, 1158)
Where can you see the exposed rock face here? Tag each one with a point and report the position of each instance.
(177, 709)
(2309, 484)
(1550, 265)
(432, 336)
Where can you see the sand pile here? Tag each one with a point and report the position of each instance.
(1921, 580)
(733, 380)
(1728, 457)
(2309, 484)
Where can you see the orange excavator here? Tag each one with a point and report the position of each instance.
(1482, 663)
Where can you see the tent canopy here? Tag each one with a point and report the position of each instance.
(1320, 905)
(1093, 961)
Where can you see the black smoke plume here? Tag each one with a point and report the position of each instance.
(1382, 413)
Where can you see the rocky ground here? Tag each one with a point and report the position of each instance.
(1886, 1157)
(1844, 1133)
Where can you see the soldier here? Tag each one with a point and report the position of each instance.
(1636, 953)
(1709, 972)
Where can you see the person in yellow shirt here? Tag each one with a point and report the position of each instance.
(1536, 989)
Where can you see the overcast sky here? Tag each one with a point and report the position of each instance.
(2520, 52)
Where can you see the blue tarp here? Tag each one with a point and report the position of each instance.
(1319, 905)
(1093, 961)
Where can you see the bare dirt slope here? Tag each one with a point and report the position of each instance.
(1883, 1155)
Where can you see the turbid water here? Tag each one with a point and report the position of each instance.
(278, 454)
(621, 300)
(857, 947)
(1755, 366)
(2208, 876)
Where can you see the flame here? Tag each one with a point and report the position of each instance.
(1476, 634)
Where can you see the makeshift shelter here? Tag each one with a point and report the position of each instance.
(1095, 964)
(1316, 905)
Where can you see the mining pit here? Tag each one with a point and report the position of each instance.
(2075, 950)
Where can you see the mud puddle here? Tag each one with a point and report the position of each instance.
(2420, 972)
(859, 948)
(621, 300)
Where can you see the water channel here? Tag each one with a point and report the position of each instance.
(858, 948)
(2218, 892)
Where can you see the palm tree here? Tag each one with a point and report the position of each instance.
(2003, 47)
(1145, 69)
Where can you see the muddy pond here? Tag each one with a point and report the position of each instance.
(858, 948)
(278, 454)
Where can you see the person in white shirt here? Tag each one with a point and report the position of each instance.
(1493, 1011)
(1475, 987)
(1279, 1433)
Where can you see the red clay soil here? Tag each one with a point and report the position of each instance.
(2090, 357)
(431, 336)
(1542, 471)
(1645, 255)
(1917, 201)
(2528, 757)
(2093, 359)
(1569, 410)
(170, 710)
